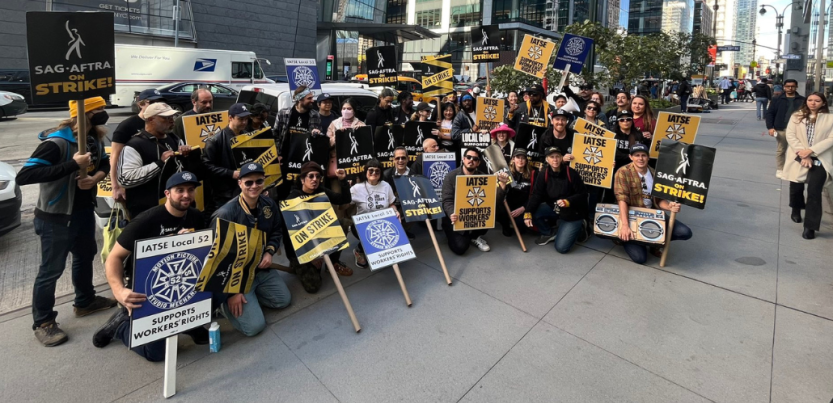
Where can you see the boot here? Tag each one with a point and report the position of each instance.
(796, 215)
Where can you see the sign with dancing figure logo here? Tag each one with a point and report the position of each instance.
(167, 270)
(674, 127)
(572, 53)
(381, 66)
(302, 72)
(418, 199)
(475, 201)
(304, 147)
(415, 133)
(385, 141)
(485, 43)
(383, 238)
(354, 147)
(528, 136)
(436, 166)
(683, 173)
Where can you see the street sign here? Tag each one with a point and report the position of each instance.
(775, 61)
(728, 48)
(791, 57)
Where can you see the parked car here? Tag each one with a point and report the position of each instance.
(178, 95)
(12, 104)
(17, 81)
(280, 78)
(278, 96)
(10, 199)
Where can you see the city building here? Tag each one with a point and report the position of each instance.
(725, 34)
(745, 30)
(273, 29)
(677, 16)
(703, 18)
(652, 16)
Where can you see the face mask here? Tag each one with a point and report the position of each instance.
(99, 119)
(347, 113)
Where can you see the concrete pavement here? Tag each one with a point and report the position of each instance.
(743, 312)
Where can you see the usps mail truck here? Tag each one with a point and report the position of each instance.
(141, 67)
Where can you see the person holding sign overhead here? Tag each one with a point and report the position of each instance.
(558, 194)
(371, 193)
(254, 211)
(65, 215)
(632, 187)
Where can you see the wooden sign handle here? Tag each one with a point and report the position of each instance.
(402, 284)
(439, 253)
(564, 74)
(512, 220)
(668, 230)
(82, 132)
(340, 289)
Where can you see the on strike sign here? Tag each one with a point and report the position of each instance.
(71, 55)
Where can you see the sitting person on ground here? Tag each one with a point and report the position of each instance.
(558, 194)
(632, 187)
(429, 145)
(517, 193)
(371, 193)
(254, 210)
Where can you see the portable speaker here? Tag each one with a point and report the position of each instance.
(647, 225)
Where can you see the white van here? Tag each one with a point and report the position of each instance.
(278, 96)
(141, 67)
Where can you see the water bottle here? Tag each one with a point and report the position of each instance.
(214, 337)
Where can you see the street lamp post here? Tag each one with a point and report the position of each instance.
(779, 23)
(754, 42)
(714, 35)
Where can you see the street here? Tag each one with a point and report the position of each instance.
(743, 312)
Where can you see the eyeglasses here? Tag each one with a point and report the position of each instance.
(251, 183)
(591, 108)
(625, 120)
(473, 158)
(313, 176)
(374, 171)
(400, 158)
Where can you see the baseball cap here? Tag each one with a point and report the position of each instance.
(551, 150)
(181, 177)
(251, 168)
(535, 88)
(519, 151)
(561, 112)
(158, 109)
(239, 109)
(624, 114)
(323, 97)
(475, 90)
(151, 94)
(422, 106)
(468, 96)
(639, 147)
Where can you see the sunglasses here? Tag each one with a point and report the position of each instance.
(251, 183)
(313, 176)
(591, 108)
(400, 158)
(473, 158)
(625, 120)
(374, 171)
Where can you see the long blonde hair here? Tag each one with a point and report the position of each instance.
(527, 172)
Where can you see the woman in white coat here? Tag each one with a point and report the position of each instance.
(809, 160)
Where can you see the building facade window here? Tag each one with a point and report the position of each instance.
(147, 17)
(465, 13)
(431, 19)
(531, 12)
(397, 12)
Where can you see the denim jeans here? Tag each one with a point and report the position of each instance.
(57, 242)
(638, 252)
(153, 351)
(268, 290)
(459, 241)
(568, 231)
(683, 103)
(760, 107)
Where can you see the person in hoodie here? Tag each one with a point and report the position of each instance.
(762, 96)
(219, 161)
(65, 217)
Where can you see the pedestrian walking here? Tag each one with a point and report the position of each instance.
(684, 91)
(778, 115)
(762, 96)
(725, 90)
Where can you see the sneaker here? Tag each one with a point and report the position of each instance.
(545, 239)
(50, 335)
(779, 174)
(99, 304)
(361, 261)
(342, 269)
(481, 244)
(656, 251)
(199, 335)
(105, 334)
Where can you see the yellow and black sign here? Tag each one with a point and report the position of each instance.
(676, 127)
(199, 128)
(475, 199)
(485, 43)
(381, 66)
(235, 254)
(534, 56)
(489, 113)
(594, 158)
(584, 126)
(441, 83)
(105, 186)
(259, 147)
(313, 227)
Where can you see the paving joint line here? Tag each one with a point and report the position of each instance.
(304, 364)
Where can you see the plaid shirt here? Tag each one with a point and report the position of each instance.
(627, 186)
(282, 123)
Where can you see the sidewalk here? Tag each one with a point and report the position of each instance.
(743, 312)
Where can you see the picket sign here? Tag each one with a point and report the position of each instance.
(341, 293)
(169, 385)
(512, 220)
(668, 231)
(82, 133)
(437, 248)
(564, 74)
(402, 284)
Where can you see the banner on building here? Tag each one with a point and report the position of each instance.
(489, 113)
(440, 80)
(167, 269)
(385, 140)
(675, 127)
(593, 158)
(304, 147)
(313, 226)
(436, 166)
(414, 134)
(534, 56)
(235, 254)
(528, 137)
(474, 202)
(354, 147)
(683, 173)
(199, 128)
(71, 55)
(418, 199)
(381, 66)
(485, 43)
(260, 147)
(584, 126)
(302, 72)
(572, 54)
(383, 238)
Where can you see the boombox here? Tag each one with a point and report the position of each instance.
(648, 225)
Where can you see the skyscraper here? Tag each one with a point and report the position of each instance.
(725, 25)
(677, 16)
(703, 18)
(651, 16)
(745, 30)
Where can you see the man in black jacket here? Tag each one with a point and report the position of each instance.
(777, 117)
(762, 96)
(255, 211)
(683, 91)
(219, 161)
(536, 111)
(144, 159)
(403, 113)
(203, 102)
(382, 114)
(584, 94)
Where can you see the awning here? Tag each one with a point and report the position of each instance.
(390, 33)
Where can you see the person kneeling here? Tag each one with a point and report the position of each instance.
(557, 194)
(258, 211)
(632, 187)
